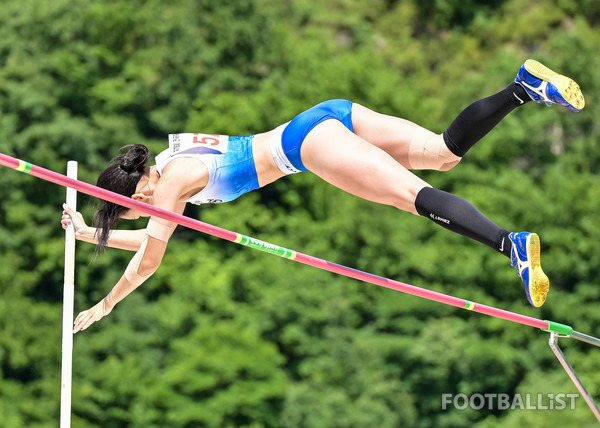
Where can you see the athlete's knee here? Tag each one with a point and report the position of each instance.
(405, 198)
(430, 152)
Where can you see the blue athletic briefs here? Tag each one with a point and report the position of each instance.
(297, 130)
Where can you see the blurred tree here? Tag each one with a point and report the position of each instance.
(225, 336)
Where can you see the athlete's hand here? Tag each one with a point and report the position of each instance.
(89, 317)
(70, 216)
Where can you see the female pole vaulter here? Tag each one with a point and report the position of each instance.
(358, 150)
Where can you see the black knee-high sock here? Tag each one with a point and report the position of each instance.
(481, 117)
(460, 216)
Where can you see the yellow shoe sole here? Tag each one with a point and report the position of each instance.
(539, 285)
(567, 87)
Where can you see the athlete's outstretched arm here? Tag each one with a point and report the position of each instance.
(145, 261)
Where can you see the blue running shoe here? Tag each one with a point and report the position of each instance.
(544, 85)
(525, 257)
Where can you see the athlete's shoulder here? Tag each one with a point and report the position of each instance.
(183, 177)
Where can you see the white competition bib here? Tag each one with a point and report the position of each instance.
(207, 143)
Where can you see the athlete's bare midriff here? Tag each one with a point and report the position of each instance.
(266, 168)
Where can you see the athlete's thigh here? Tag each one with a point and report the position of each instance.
(391, 134)
(350, 163)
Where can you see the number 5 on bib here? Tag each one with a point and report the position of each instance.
(208, 142)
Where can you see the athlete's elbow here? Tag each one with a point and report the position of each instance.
(139, 239)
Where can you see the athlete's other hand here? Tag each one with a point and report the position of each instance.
(70, 216)
(89, 317)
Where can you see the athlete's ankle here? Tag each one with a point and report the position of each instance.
(519, 94)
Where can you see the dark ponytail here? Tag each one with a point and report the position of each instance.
(122, 177)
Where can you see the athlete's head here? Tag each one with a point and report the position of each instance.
(122, 177)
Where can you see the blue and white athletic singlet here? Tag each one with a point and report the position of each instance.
(229, 160)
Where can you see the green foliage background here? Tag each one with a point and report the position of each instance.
(223, 336)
